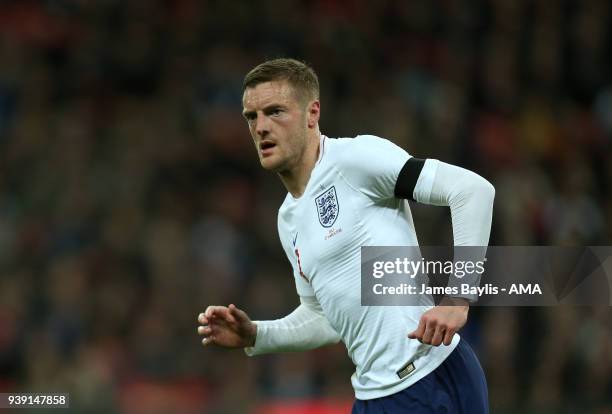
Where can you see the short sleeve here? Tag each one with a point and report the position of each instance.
(372, 165)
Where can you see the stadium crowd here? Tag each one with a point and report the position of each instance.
(131, 196)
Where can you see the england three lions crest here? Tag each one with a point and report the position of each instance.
(327, 207)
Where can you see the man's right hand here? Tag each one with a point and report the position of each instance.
(228, 326)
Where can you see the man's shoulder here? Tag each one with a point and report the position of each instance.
(365, 139)
(350, 148)
(359, 152)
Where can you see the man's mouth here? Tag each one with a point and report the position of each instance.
(266, 147)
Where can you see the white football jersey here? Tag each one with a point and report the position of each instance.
(348, 203)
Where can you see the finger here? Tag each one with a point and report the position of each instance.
(214, 312)
(230, 315)
(204, 330)
(202, 319)
(239, 315)
(429, 332)
(210, 311)
(208, 340)
(448, 337)
(438, 335)
(419, 331)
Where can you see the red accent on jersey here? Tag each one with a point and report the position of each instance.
(297, 253)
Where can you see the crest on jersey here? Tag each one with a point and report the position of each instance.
(327, 207)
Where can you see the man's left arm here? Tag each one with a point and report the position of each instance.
(470, 198)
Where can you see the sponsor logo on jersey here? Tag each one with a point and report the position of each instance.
(327, 207)
(331, 233)
(406, 370)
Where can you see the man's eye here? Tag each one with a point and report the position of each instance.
(275, 112)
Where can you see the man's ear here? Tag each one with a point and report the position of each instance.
(314, 113)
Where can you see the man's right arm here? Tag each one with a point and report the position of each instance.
(303, 329)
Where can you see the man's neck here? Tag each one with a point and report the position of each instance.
(296, 180)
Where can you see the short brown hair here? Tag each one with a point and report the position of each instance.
(299, 75)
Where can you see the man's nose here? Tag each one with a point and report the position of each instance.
(263, 126)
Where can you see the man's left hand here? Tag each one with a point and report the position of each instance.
(439, 324)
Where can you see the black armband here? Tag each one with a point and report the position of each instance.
(407, 178)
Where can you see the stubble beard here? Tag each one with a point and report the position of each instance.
(297, 151)
(293, 159)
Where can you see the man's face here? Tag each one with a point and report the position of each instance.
(278, 122)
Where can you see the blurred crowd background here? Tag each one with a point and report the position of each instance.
(131, 196)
